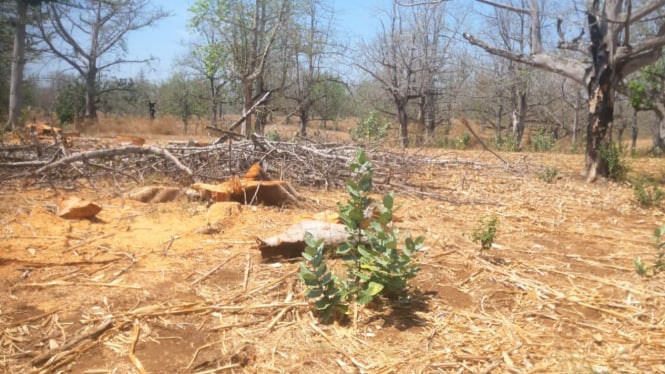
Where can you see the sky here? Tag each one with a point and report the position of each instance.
(167, 40)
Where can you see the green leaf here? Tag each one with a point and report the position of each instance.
(388, 201)
(313, 293)
(374, 288)
(322, 304)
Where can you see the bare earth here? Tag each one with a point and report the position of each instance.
(140, 288)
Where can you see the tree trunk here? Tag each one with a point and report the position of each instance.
(213, 102)
(659, 127)
(633, 144)
(601, 115)
(403, 124)
(430, 119)
(91, 95)
(18, 63)
(304, 118)
(575, 126)
(600, 88)
(519, 113)
(246, 127)
(497, 126)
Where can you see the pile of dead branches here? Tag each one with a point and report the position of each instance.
(304, 163)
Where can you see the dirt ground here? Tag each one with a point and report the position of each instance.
(142, 289)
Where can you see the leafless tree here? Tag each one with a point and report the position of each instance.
(90, 36)
(310, 51)
(612, 56)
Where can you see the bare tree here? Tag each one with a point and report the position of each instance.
(435, 35)
(393, 62)
(310, 51)
(613, 56)
(209, 55)
(90, 36)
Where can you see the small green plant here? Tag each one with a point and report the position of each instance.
(616, 165)
(463, 141)
(370, 129)
(485, 232)
(549, 174)
(376, 263)
(505, 144)
(542, 141)
(647, 196)
(659, 263)
(273, 136)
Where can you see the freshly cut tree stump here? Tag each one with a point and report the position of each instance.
(255, 187)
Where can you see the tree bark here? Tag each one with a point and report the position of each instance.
(18, 63)
(246, 127)
(91, 94)
(659, 127)
(601, 89)
(430, 114)
(403, 119)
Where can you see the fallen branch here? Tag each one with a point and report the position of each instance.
(243, 117)
(88, 334)
(105, 153)
(132, 357)
(56, 283)
(206, 275)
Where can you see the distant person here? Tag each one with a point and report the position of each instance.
(151, 108)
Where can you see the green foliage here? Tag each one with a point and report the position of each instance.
(70, 104)
(542, 141)
(376, 264)
(616, 164)
(549, 174)
(321, 284)
(647, 86)
(647, 196)
(485, 233)
(273, 136)
(659, 262)
(331, 97)
(505, 144)
(370, 129)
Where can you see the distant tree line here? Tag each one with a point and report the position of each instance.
(539, 66)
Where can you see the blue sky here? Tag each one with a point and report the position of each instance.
(355, 19)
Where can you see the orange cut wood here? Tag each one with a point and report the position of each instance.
(74, 207)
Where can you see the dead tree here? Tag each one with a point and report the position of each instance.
(613, 56)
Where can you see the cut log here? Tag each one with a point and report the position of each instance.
(74, 207)
(154, 194)
(291, 243)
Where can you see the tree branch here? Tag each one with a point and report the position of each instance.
(557, 64)
(116, 152)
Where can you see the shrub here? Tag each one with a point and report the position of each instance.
(659, 262)
(542, 141)
(647, 197)
(370, 129)
(376, 264)
(507, 144)
(616, 165)
(549, 174)
(273, 136)
(485, 232)
(70, 103)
